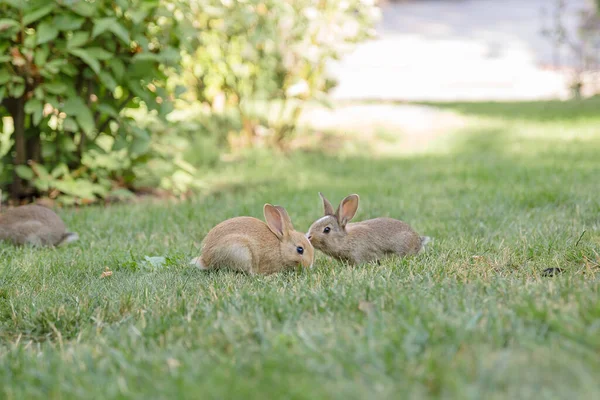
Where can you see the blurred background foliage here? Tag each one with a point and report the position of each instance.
(101, 99)
(582, 45)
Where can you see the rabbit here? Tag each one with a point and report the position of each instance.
(34, 225)
(247, 244)
(365, 241)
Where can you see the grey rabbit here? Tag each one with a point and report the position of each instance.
(34, 225)
(364, 241)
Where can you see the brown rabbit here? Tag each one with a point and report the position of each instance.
(34, 225)
(248, 244)
(365, 241)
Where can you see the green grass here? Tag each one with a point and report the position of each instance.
(505, 198)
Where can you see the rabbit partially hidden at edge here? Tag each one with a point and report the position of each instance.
(247, 244)
(365, 241)
(34, 225)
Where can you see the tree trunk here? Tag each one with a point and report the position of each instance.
(16, 107)
(34, 146)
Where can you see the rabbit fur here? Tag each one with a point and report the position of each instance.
(248, 244)
(365, 241)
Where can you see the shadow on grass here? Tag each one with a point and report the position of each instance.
(482, 187)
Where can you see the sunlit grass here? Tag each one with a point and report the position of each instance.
(510, 194)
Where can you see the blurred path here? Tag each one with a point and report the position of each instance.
(455, 50)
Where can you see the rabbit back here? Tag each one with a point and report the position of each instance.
(373, 240)
(243, 244)
(32, 224)
(378, 237)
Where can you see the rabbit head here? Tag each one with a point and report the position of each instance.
(328, 232)
(295, 248)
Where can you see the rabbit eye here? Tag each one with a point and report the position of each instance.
(326, 230)
(300, 250)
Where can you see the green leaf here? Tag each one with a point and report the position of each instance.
(24, 172)
(53, 101)
(146, 56)
(41, 55)
(118, 68)
(69, 69)
(139, 146)
(169, 55)
(30, 41)
(38, 14)
(66, 22)
(54, 65)
(18, 4)
(179, 90)
(70, 125)
(42, 172)
(60, 170)
(99, 53)
(165, 108)
(76, 107)
(141, 69)
(110, 25)
(137, 89)
(17, 90)
(138, 16)
(5, 58)
(120, 32)
(4, 76)
(122, 3)
(102, 25)
(81, 188)
(107, 80)
(6, 24)
(39, 93)
(86, 122)
(2, 92)
(37, 115)
(83, 8)
(55, 87)
(66, 143)
(78, 39)
(46, 32)
(32, 105)
(107, 109)
(86, 58)
(120, 144)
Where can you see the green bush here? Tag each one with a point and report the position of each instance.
(86, 86)
(70, 70)
(264, 59)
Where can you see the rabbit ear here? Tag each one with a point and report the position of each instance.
(327, 207)
(347, 209)
(274, 220)
(287, 221)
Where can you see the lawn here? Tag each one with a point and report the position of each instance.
(512, 193)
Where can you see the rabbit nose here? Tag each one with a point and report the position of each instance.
(309, 237)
